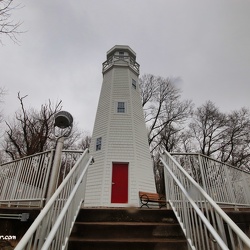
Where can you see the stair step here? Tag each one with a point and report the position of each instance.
(121, 214)
(127, 244)
(155, 240)
(126, 229)
(111, 223)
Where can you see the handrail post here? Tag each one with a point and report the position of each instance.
(17, 176)
(46, 182)
(230, 188)
(55, 168)
(164, 156)
(202, 173)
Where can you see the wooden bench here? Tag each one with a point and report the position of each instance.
(146, 198)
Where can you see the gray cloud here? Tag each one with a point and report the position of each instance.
(206, 43)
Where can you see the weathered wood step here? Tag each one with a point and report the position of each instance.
(126, 214)
(155, 240)
(126, 229)
(127, 244)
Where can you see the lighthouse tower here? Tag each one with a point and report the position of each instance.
(119, 144)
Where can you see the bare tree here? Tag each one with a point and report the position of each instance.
(225, 137)
(186, 142)
(165, 116)
(208, 128)
(7, 26)
(85, 141)
(165, 112)
(159, 175)
(31, 130)
(236, 141)
(2, 94)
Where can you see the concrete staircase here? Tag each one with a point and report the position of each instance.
(126, 229)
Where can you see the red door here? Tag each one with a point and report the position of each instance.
(119, 192)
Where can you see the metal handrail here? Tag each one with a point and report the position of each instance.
(24, 182)
(27, 157)
(226, 184)
(205, 225)
(205, 156)
(52, 227)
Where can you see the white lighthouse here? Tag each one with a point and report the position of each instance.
(123, 165)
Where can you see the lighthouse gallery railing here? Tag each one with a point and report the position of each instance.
(205, 225)
(52, 227)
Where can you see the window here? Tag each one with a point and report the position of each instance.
(121, 54)
(98, 143)
(121, 107)
(134, 83)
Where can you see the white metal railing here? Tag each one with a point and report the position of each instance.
(68, 160)
(24, 182)
(52, 227)
(205, 225)
(226, 184)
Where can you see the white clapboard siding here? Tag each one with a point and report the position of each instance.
(124, 135)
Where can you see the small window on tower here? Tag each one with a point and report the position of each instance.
(120, 107)
(134, 83)
(98, 143)
(121, 54)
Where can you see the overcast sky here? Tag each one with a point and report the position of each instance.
(59, 57)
